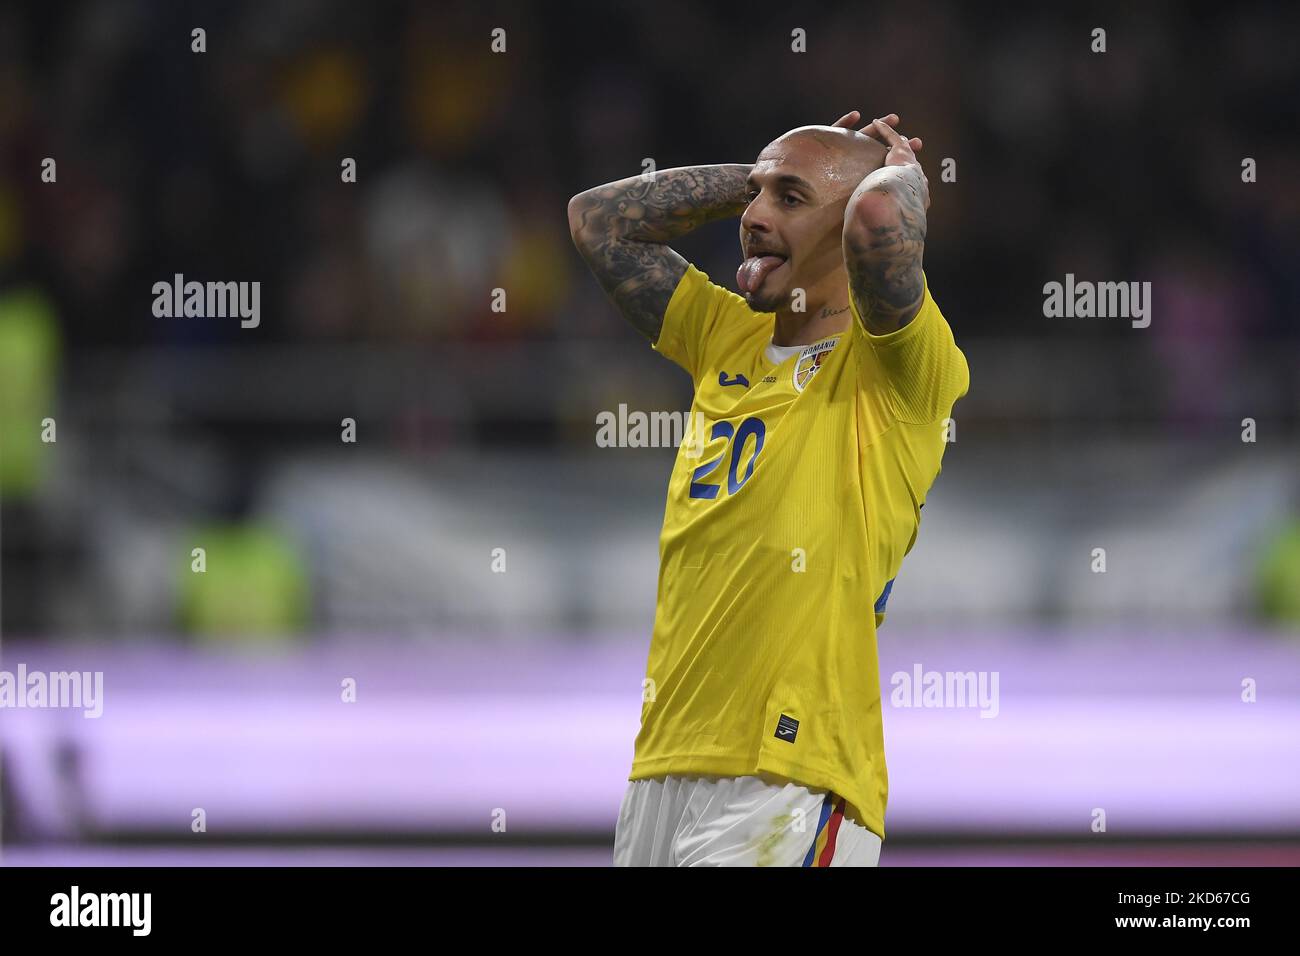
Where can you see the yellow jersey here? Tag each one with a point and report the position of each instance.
(789, 511)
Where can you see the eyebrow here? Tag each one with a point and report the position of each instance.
(786, 179)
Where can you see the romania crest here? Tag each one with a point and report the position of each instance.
(810, 360)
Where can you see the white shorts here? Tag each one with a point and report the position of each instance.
(737, 821)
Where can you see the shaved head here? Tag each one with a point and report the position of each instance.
(839, 157)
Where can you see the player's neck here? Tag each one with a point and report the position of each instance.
(805, 328)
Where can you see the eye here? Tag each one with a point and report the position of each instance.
(790, 196)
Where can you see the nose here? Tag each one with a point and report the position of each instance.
(754, 218)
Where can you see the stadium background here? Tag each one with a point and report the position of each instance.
(485, 696)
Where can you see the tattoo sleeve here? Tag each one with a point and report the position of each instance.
(884, 240)
(622, 230)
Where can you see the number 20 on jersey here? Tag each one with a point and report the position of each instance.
(706, 484)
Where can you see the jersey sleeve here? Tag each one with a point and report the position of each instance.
(919, 367)
(695, 318)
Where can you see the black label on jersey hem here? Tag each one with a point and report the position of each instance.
(786, 729)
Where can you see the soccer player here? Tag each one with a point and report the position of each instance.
(823, 386)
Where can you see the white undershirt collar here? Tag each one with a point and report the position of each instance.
(776, 354)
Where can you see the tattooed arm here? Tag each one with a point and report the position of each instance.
(884, 237)
(622, 230)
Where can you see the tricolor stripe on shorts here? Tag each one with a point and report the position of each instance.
(822, 850)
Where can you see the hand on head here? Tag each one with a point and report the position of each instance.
(877, 128)
(901, 151)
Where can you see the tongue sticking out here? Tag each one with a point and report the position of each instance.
(754, 270)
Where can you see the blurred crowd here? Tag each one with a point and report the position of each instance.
(1123, 165)
(1119, 165)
